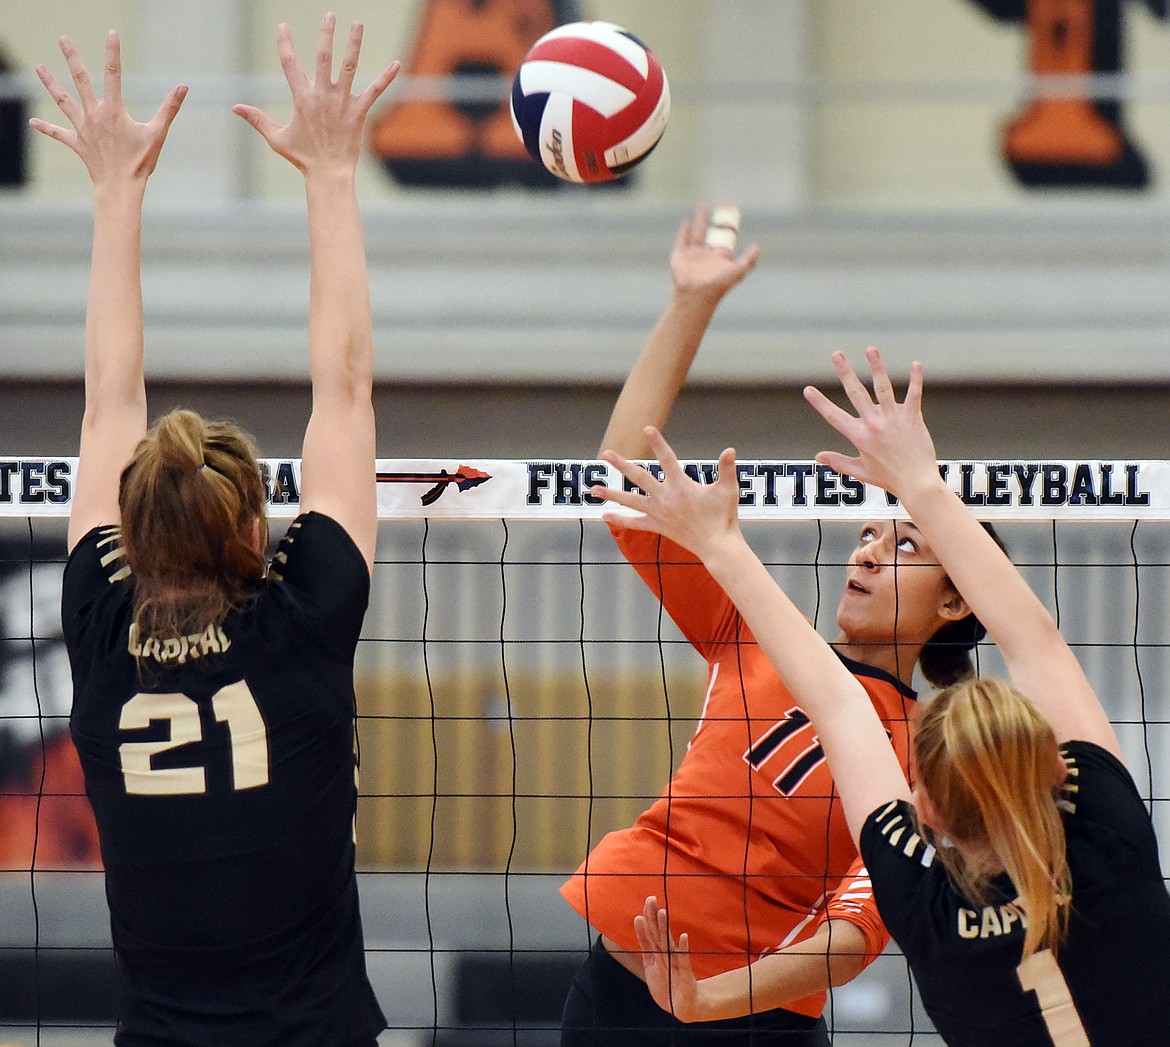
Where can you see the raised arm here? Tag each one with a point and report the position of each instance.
(120, 156)
(702, 274)
(323, 141)
(896, 452)
(705, 520)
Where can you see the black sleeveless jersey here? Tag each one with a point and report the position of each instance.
(1108, 985)
(221, 770)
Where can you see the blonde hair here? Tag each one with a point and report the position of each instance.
(989, 764)
(188, 499)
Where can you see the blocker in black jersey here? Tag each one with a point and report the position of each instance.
(1109, 983)
(223, 779)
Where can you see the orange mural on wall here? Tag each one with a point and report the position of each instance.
(45, 816)
(1076, 139)
(466, 143)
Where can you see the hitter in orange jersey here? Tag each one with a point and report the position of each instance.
(747, 846)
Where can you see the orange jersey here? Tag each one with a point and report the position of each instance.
(747, 847)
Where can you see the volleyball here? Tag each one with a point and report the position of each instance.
(590, 101)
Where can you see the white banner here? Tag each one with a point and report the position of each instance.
(477, 489)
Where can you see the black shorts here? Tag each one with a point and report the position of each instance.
(607, 1006)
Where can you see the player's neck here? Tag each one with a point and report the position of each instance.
(898, 660)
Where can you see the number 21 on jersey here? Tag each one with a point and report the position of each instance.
(234, 706)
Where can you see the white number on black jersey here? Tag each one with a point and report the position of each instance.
(233, 705)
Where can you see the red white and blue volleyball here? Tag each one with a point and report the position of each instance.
(590, 101)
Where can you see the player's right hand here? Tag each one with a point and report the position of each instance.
(110, 143)
(700, 269)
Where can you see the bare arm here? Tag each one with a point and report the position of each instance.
(895, 451)
(701, 275)
(323, 140)
(704, 519)
(120, 156)
(834, 955)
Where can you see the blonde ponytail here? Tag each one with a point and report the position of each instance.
(988, 762)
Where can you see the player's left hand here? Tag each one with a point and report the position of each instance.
(110, 143)
(324, 132)
(667, 963)
(697, 516)
(894, 447)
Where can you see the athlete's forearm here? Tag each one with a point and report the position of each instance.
(1038, 659)
(833, 956)
(866, 771)
(809, 667)
(989, 582)
(340, 338)
(658, 375)
(114, 321)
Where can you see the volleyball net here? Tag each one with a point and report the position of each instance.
(520, 694)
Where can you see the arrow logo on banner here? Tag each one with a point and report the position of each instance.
(465, 478)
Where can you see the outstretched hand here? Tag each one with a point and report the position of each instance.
(325, 129)
(695, 515)
(894, 447)
(698, 268)
(109, 142)
(667, 963)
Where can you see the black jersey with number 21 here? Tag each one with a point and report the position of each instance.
(221, 770)
(1108, 985)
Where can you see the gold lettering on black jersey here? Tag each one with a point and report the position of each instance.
(112, 555)
(992, 921)
(1066, 795)
(900, 832)
(179, 649)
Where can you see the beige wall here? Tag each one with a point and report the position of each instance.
(669, 26)
(867, 149)
(944, 151)
(930, 150)
(1149, 56)
(29, 33)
